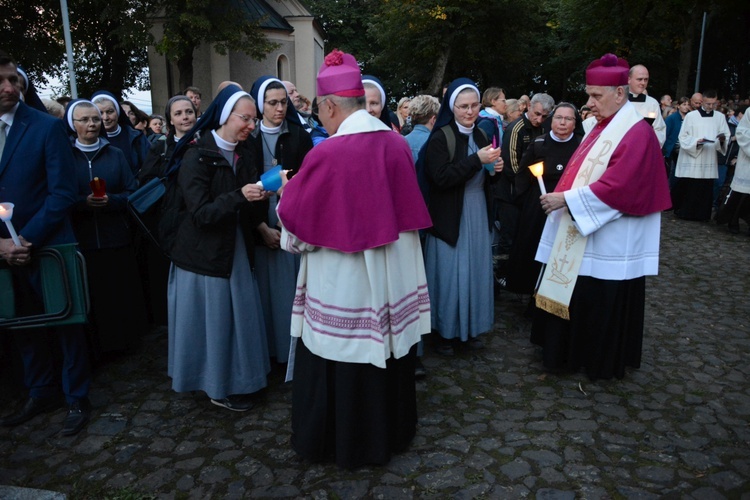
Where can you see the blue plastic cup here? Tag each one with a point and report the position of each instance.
(271, 180)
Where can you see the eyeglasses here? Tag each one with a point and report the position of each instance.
(273, 103)
(247, 119)
(316, 106)
(466, 107)
(91, 119)
(561, 118)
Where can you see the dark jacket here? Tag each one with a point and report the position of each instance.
(213, 206)
(291, 147)
(37, 175)
(134, 144)
(103, 227)
(156, 160)
(446, 180)
(517, 138)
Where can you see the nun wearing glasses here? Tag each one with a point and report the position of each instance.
(279, 140)
(217, 339)
(458, 247)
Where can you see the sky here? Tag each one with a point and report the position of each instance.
(140, 98)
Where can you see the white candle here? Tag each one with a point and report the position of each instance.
(537, 169)
(12, 232)
(6, 212)
(541, 185)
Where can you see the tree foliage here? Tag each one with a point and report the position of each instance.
(534, 46)
(33, 34)
(224, 24)
(109, 40)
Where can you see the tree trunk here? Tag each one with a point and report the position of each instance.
(438, 75)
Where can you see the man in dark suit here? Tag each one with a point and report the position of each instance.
(37, 175)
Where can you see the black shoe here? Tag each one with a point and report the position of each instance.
(445, 347)
(32, 408)
(79, 414)
(234, 403)
(419, 370)
(475, 344)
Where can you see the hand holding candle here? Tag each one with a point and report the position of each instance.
(489, 156)
(6, 212)
(98, 187)
(537, 169)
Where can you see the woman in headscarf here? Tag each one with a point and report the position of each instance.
(154, 266)
(28, 92)
(180, 117)
(376, 101)
(120, 131)
(458, 253)
(553, 149)
(217, 339)
(138, 118)
(280, 140)
(100, 222)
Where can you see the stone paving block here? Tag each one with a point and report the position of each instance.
(655, 474)
(213, 474)
(544, 458)
(441, 480)
(99, 459)
(516, 469)
(190, 463)
(18, 493)
(457, 443)
(385, 492)
(727, 480)
(121, 480)
(92, 444)
(156, 480)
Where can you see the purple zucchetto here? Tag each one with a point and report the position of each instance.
(608, 71)
(339, 75)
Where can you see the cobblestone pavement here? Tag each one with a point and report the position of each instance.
(492, 424)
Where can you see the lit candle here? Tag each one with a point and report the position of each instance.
(6, 212)
(537, 169)
(652, 115)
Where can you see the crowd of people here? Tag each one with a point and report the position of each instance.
(388, 225)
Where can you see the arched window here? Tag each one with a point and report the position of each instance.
(282, 68)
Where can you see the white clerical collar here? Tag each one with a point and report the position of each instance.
(115, 133)
(88, 148)
(465, 130)
(360, 122)
(225, 145)
(557, 139)
(270, 130)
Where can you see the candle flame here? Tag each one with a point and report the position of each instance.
(537, 169)
(652, 114)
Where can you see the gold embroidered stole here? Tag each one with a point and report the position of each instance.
(561, 273)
